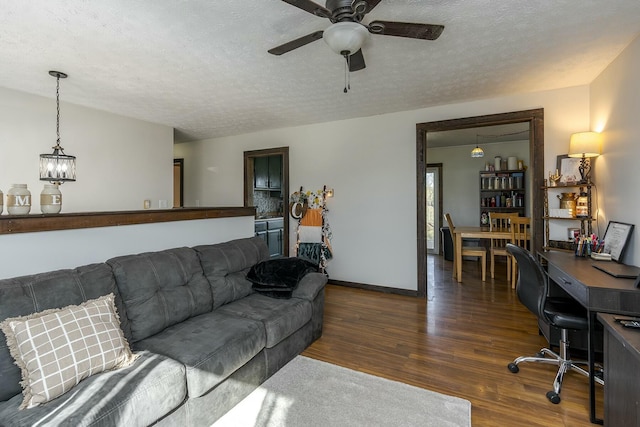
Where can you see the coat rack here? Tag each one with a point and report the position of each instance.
(313, 233)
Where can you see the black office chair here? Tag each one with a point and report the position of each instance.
(532, 289)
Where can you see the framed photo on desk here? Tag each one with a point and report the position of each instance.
(569, 169)
(616, 238)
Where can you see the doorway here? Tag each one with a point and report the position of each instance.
(535, 119)
(178, 183)
(434, 207)
(266, 187)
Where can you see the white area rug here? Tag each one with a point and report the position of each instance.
(308, 392)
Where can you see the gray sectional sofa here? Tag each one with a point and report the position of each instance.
(205, 340)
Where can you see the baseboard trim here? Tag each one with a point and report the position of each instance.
(383, 289)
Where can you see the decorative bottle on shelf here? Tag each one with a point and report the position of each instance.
(582, 205)
(18, 200)
(50, 199)
(496, 162)
(1, 201)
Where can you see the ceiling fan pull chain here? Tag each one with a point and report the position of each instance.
(346, 74)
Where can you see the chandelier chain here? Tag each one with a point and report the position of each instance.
(58, 109)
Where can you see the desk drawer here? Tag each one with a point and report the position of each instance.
(574, 288)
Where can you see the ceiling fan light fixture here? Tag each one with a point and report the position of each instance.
(345, 37)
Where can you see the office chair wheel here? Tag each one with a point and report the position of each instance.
(513, 368)
(553, 397)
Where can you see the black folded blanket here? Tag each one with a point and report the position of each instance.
(278, 277)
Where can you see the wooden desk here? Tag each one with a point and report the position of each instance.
(621, 373)
(595, 290)
(472, 233)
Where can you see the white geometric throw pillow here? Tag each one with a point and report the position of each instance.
(58, 348)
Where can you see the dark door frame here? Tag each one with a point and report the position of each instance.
(180, 164)
(248, 184)
(536, 155)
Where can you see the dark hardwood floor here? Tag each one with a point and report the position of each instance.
(458, 342)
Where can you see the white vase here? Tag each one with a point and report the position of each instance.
(496, 163)
(1, 201)
(50, 199)
(18, 200)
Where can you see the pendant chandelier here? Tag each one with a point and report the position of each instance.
(477, 152)
(57, 167)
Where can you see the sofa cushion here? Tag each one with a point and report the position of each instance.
(30, 294)
(226, 265)
(279, 317)
(134, 396)
(160, 289)
(58, 348)
(211, 346)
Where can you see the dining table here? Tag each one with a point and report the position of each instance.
(472, 233)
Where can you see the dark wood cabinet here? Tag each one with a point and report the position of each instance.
(275, 237)
(275, 172)
(267, 172)
(621, 373)
(272, 232)
(261, 172)
(274, 241)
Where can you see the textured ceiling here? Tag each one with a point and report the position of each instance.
(202, 67)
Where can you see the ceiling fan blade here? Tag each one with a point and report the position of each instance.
(356, 61)
(311, 7)
(406, 29)
(294, 44)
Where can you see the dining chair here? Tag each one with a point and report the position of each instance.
(475, 251)
(520, 236)
(499, 221)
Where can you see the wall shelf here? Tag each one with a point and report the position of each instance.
(586, 226)
(11, 224)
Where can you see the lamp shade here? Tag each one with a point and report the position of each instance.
(585, 144)
(345, 37)
(477, 152)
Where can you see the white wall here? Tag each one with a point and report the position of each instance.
(370, 162)
(29, 253)
(461, 175)
(615, 111)
(140, 154)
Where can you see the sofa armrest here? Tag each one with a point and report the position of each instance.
(310, 285)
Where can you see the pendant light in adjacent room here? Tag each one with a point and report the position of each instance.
(477, 152)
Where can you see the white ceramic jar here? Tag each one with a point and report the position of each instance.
(18, 200)
(50, 199)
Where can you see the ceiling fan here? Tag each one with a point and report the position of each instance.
(347, 33)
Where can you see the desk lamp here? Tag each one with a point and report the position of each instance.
(585, 145)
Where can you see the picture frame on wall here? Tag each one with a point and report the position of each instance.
(568, 168)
